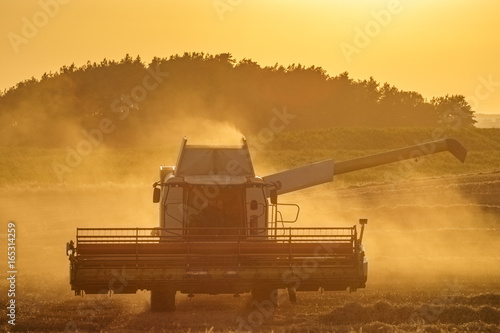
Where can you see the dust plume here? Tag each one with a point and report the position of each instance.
(420, 230)
(47, 218)
(203, 131)
(44, 119)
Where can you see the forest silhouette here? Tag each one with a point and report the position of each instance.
(142, 100)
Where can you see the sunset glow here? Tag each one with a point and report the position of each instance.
(435, 48)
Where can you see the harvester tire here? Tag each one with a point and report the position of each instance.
(162, 300)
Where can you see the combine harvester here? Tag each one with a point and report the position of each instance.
(222, 232)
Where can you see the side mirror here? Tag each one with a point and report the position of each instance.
(70, 248)
(274, 197)
(156, 195)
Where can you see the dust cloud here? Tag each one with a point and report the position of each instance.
(47, 216)
(418, 230)
(44, 119)
(203, 131)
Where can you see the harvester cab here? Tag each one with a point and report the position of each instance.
(221, 230)
(214, 191)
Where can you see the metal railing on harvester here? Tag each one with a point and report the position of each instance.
(215, 247)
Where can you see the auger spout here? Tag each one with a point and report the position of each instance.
(412, 152)
(323, 172)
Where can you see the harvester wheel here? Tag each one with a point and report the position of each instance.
(262, 294)
(162, 300)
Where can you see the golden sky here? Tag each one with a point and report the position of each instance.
(434, 47)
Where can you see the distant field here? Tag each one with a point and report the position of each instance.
(487, 120)
(137, 165)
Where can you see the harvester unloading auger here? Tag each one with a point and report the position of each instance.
(221, 232)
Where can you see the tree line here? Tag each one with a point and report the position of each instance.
(144, 99)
